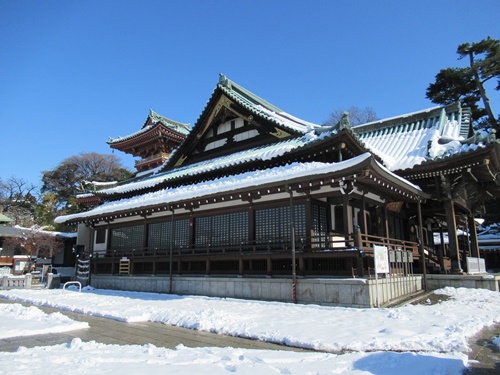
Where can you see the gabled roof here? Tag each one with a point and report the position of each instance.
(261, 107)
(232, 97)
(153, 120)
(279, 153)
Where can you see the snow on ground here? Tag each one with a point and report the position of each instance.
(17, 320)
(426, 339)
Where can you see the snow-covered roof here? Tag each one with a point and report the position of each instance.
(266, 152)
(488, 238)
(406, 141)
(224, 185)
(18, 231)
(261, 107)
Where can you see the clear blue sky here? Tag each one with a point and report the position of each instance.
(74, 73)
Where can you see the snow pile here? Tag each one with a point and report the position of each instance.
(18, 320)
(413, 339)
(92, 358)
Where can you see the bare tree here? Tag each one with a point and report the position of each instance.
(17, 200)
(357, 116)
(36, 242)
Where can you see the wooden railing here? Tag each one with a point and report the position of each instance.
(330, 242)
(367, 242)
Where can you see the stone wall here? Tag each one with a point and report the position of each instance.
(334, 292)
(487, 281)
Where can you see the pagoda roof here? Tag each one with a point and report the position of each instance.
(153, 120)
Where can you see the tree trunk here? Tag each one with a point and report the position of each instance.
(482, 91)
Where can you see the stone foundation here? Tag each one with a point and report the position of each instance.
(333, 292)
(487, 281)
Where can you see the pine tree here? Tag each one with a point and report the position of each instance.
(467, 84)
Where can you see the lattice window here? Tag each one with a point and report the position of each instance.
(274, 223)
(127, 237)
(320, 225)
(159, 234)
(222, 229)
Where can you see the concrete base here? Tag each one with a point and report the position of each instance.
(335, 292)
(486, 281)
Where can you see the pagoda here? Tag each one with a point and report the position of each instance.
(154, 143)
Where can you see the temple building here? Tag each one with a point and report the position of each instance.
(154, 143)
(253, 195)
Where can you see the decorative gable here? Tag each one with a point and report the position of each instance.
(235, 120)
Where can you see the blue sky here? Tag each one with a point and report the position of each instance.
(74, 73)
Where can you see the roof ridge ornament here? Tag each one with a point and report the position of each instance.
(345, 122)
(224, 81)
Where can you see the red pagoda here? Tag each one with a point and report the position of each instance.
(154, 143)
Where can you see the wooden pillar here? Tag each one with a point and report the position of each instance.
(208, 270)
(302, 269)
(474, 246)
(240, 265)
(441, 250)
(421, 244)
(449, 208)
(269, 266)
(364, 222)
(347, 210)
(386, 222)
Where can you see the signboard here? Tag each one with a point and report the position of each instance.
(475, 265)
(381, 255)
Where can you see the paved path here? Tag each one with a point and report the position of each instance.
(108, 331)
(485, 355)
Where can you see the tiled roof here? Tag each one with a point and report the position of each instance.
(235, 182)
(262, 108)
(400, 142)
(406, 141)
(155, 119)
(174, 125)
(266, 152)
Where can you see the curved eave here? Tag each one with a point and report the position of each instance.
(292, 150)
(145, 135)
(155, 118)
(363, 170)
(456, 163)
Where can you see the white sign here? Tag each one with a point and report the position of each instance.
(381, 255)
(475, 265)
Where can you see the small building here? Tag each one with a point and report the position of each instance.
(63, 259)
(254, 192)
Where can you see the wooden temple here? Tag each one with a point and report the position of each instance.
(153, 143)
(251, 190)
